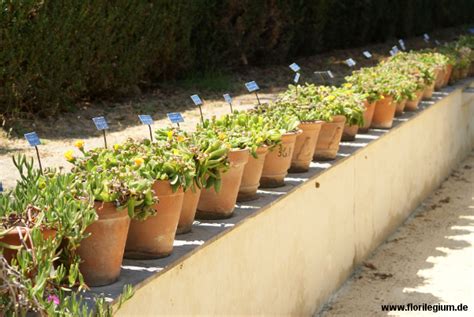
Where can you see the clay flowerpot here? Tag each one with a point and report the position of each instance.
(12, 238)
(153, 237)
(349, 132)
(305, 146)
(428, 92)
(447, 74)
(220, 205)
(439, 77)
(188, 211)
(329, 139)
(400, 107)
(384, 113)
(278, 161)
(102, 252)
(251, 176)
(412, 105)
(368, 115)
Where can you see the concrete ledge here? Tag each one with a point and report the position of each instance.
(289, 251)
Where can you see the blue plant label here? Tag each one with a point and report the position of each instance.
(252, 86)
(100, 123)
(32, 139)
(295, 67)
(392, 53)
(330, 74)
(367, 54)
(402, 44)
(1, 187)
(426, 37)
(395, 49)
(145, 119)
(196, 99)
(227, 98)
(175, 117)
(297, 78)
(350, 62)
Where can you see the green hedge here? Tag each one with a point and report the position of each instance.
(54, 53)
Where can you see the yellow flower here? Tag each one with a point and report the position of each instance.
(116, 147)
(69, 155)
(331, 98)
(79, 144)
(138, 161)
(222, 136)
(180, 138)
(175, 151)
(348, 85)
(170, 135)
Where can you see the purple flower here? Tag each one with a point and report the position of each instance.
(54, 299)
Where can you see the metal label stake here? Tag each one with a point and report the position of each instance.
(147, 120)
(34, 141)
(101, 125)
(228, 99)
(198, 102)
(175, 117)
(253, 87)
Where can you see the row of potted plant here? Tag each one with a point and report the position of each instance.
(130, 201)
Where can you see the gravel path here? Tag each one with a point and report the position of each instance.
(430, 259)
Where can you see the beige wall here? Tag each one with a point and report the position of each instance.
(289, 258)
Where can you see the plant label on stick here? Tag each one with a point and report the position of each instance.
(392, 53)
(253, 87)
(34, 141)
(367, 54)
(437, 42)
(175, 117)
(198, 102)
(101, 125)
(330, 74)
(350, 62)
(228, 99)
(402, 44)
(426, 37)
(147, 120)
(297, 78)
(295, 67)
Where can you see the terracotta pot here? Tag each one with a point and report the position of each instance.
(188, 211)
(447, 74)
(368, 115)
(278, 161)
(400, 107)
(349, 132)
(329, 139)
(384, 113)
(153, 237)
(305, 145)
(428, 92)
(102, 252)
(439, 77)
(455, 76)
(412, 105)
(13, 238)
(251, 176)
(220, 205)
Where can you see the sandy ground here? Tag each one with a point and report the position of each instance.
(430, 259)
